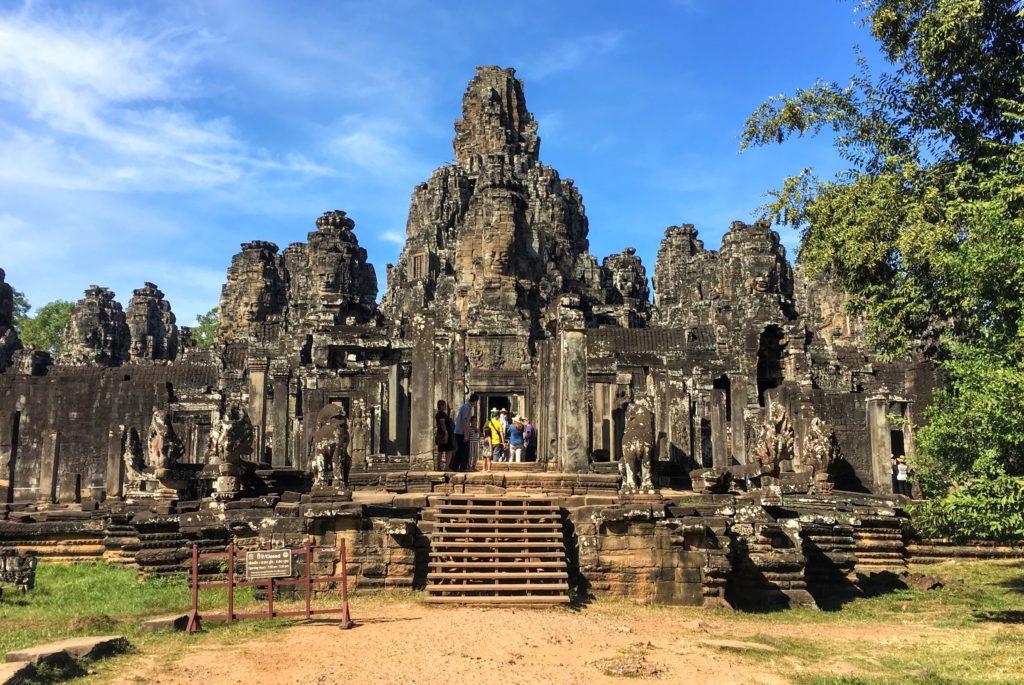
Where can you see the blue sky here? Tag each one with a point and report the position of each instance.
(145, 142)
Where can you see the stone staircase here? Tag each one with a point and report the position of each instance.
(496, 550)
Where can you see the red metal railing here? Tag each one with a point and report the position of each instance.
(306, 582)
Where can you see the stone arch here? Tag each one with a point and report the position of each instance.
(770, 348)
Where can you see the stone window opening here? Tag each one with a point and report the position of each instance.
(769, 361)
(419, 266)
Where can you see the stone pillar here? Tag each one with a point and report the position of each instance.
(279, 453)
(719, 446)
(391, 441)
(9, 429)
(49, 467)
(572, 380)
(70, 491)
(258, 406)
(881, 445)
(421, 388)
(739, 428)
(114, 480)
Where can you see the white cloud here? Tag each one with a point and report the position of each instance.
(373, 146)
(573, 53)
(104, 105)
(393, 237)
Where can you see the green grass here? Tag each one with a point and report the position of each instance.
(91, 599)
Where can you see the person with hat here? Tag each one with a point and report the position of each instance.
(517, 438)
(497, 435)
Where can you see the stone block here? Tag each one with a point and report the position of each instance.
(161, 624)
(72, 648)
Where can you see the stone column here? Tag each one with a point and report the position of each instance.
(421, 387)
(719, 447)
(881, 445)
(114, 480)
(49, 467)
(739, 429)
(279, 453)
(572, 419)
(258, 405)
(390, 443)
(9, 428)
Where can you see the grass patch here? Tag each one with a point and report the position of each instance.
(631, 662)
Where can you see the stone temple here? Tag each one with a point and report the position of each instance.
(771, 423)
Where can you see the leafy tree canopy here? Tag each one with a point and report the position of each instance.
(925, 229)
(204, 333)
(45, 330)
(21, 308)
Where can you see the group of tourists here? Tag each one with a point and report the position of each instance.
(464, 441)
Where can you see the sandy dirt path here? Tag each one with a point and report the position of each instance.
(409, 642)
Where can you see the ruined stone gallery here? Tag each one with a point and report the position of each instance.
(740, 381)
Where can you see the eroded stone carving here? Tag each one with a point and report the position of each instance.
(97, 333)
(638, 445)
(820, 451)
(329, 457)
(151, 323)
(774, 440)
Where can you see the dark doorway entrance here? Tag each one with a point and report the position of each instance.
(769, 361)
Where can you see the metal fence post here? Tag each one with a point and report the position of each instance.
(346, 619)
(193, 616)
(231, 582)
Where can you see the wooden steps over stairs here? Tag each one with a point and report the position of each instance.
(496, 550)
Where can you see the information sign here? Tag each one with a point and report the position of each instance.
(264, 564)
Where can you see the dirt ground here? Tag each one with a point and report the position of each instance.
(410, 642)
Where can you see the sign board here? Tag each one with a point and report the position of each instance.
(264, 564)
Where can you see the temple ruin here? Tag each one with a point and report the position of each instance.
(772, 428)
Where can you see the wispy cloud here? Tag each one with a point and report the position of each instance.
(120, 100)
(573, 53)
(393, 237)
(370, 145)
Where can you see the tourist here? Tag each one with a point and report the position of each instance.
(516, 438)
(902, 476)
(485, 450)
(474, 442)
(444, 436)
(503, 417)
(530, 435)
(462, 432)
(497, 436)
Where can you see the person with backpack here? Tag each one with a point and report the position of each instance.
(516, 439)
(497, 435)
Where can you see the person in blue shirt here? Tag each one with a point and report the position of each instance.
(517, 438)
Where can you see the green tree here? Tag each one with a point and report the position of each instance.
(45, 330)
(205, 331)
(21, 308)
(925, 230)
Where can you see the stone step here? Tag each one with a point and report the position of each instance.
(495, 588)
(500, 526)
(498, 575)
(526, 548)
(551, 564)
(560, 554)
(500, 517)
(501, 600)
(489, 505)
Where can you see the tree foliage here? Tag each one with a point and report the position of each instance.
(21, 308)
(45, 330)
(204, 333)
(925, 229)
